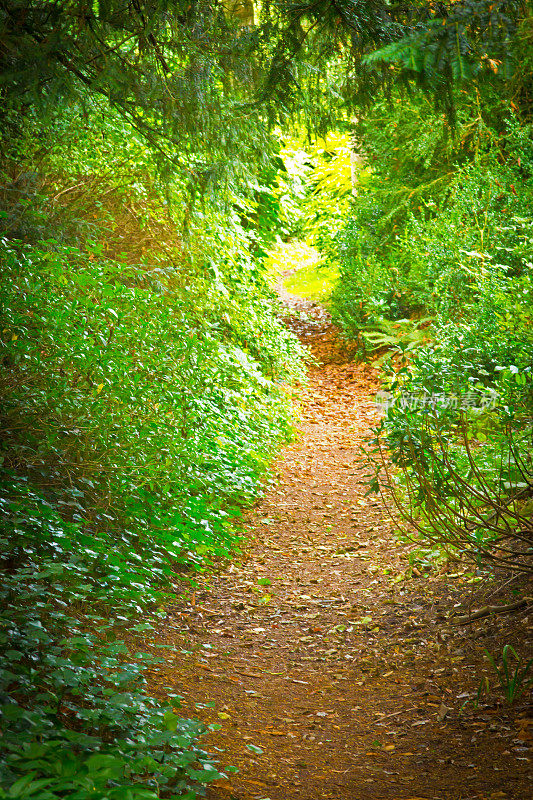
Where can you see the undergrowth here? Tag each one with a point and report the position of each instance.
(435, 285)
(144, 394)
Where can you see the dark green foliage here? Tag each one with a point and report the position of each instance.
(174, 72)
(375, 47)
(202, 89)
(76, 721)
(454, 43)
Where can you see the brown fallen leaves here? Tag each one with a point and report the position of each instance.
(322, 660)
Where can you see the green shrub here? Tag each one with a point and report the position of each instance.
(76, 719)
(435, 221)
(144, 392)
(458, 431)
(436, 271)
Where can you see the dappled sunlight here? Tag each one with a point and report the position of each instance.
(299, 267)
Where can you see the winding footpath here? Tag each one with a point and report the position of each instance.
(325, 655)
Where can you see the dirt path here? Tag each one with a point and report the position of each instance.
(325, 652)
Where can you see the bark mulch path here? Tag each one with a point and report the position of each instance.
(326, 657)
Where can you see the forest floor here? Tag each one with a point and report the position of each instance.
(331, 664)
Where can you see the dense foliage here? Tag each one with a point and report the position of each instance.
(436, 268)
(144, 393)
(182, 73)
(143, 362)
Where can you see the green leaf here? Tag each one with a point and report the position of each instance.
(255, 749)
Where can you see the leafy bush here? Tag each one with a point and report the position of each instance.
(436, 271)
(428, 225)
(330, 187)
(458, 430)
(143, 395)
(138, 403)
(76, 721)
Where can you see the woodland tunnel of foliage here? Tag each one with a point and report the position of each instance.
(144, 176)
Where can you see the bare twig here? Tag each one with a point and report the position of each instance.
(486, 611)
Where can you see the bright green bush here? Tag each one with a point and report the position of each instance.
(144, 393)
(134, 428)
(426, 229)
(458, 431)
(436, 277)
(156, 420)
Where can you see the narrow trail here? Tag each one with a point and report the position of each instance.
(322, 650)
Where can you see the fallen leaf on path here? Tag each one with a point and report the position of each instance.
(255, 749)
(250, 674)
(265, 599)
